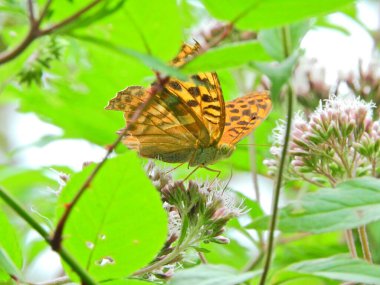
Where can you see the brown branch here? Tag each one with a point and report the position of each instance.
(35, 31)
(57, 237)
(44, 11)
(69, 19)
(32, 20)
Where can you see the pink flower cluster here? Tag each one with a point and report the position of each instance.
(339, 140)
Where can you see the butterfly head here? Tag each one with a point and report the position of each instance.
(210, 155)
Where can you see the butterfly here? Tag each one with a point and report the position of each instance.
(188, 121)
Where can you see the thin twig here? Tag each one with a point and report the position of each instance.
(69, 19)
(44, 11)
(57, 237)
(277, 189)
(202, 258)
(254, 262)
(32, 20)
(75, 266)
(35, 31)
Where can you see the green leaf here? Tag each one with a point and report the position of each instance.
(273, 39)
(127, 282)
(339, 267)
(10, 250)
(259, 14)
(211, 274)
(150, 61)
(352, 204)
(226, 56)
(278, 74)
(111, 228)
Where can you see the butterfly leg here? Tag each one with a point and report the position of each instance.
(174, 168)
(213, 170)
(195, 169)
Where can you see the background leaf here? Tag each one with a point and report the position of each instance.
(340, 267)
(352, 204)
(10, 250)
(210, 274)
(261, 14)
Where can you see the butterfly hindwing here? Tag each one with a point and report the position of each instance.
(244, 114)
(203, 99)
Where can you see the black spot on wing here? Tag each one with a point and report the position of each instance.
(175, 85)
(207, 98)
(192, 103)
(194, 91)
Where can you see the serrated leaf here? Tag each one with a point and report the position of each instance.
(118, 225)
(261, 14)
(352, 204)
(210, 275)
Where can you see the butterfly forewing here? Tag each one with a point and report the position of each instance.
(244, 114)
(203, 98)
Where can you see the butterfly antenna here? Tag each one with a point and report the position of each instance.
(253, 144)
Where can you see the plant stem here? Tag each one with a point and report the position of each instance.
(57, 237)
(75, 266)
(365, 245)
(70, 19)
(277, 189)
(350, 243)
(35, 31)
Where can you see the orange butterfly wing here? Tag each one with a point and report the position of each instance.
(161, 130)
(244, 114)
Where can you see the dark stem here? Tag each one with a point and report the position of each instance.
(277, 189)
(32, 20)
(11, 202)
(57, 237)
(44, 11)
(35, 31)
(69, 19)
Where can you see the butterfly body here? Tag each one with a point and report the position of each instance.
(210, 155)
(188, 121)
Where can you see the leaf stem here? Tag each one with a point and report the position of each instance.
(11, 202)
(277, 189)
